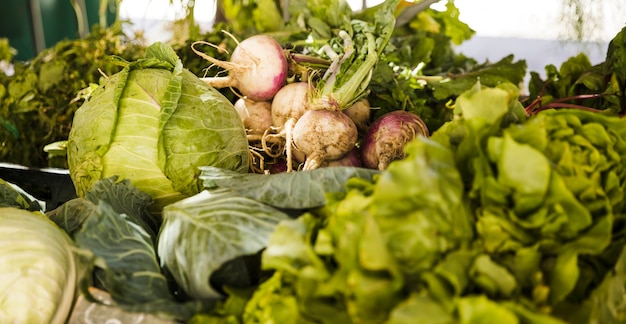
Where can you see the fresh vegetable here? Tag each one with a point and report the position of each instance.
(385, 140)
(354, 53)
(361, 114)
(576, 83)
(257, 68)
(38, 269)
(291, 101)
(324, 135)
(256, 115)
(201, 233)
(353, 159)
(155, 123)
(117, 234)
(490, 218)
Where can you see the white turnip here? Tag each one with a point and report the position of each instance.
(257, 68)
(360, 113)
(386, 138)
(255, 115)
(291, 101)
(324, 135)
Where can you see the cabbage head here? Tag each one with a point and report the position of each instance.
(155, 123)
(37, 268)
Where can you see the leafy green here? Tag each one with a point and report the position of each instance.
(351, 260)
(137, 126)
(202, 233)
(578, 83)
(498, 215)
(119, 239)
(294, 190)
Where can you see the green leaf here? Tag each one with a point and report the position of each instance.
(493, 277)
(163, 52)
(480, 309)
(488, 104)
(132, 275)
(420, 309)
(490, 74)
(201, 233)
(292, 190)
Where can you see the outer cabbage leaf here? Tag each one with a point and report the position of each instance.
(155, 123)
(290, 190)
(202, 233)
(113, 227)
(38, 269)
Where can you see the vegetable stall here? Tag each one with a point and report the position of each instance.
(316, 165)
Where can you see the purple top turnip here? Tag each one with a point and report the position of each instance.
(257, 68)
(386, 138)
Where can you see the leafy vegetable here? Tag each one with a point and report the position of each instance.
(577, 83)
(113, 227)
(38, 268)
(351, 260)
(201, 233)
(155, 123)
(298, 190)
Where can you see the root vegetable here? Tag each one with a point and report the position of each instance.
(257, 68)
(386, 138)
(291, 101)
(353, 159)
(360, 114)
(256, 115)
(324, 135)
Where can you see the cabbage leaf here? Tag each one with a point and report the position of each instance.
(202, 233)
(113, 226)
(289, 190)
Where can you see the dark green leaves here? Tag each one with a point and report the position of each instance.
(201, 233)
(115, 229)
(294, 190)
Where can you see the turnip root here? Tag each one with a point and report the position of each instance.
(324, 135)
(360, 114)
(386, 138)
(353, 159)
(291, 101)
(257, 68)
(255, 115)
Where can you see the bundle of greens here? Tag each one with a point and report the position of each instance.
(577, 83)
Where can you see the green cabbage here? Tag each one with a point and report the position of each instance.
(155, 123)
(37, 269)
